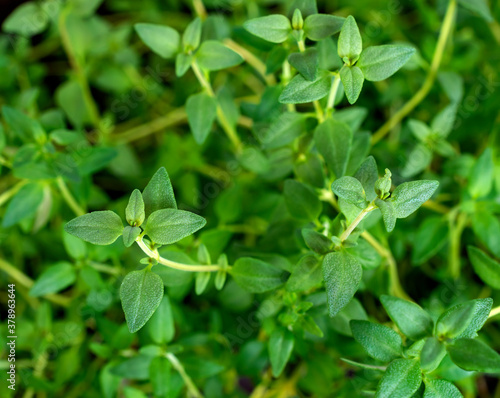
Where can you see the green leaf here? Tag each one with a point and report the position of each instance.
(351, 190)
(161, 325)
(419, 129)
(168, 226)
(214, 55)
(317, 242)
(280, 348)
(432, 354)
(21, 125)
(334, 140)
(192, 35)
(27, 20)
(487, 268)
(431, 236)
(159, 193)
(134, 213)
(380, 62)
(388, 213)
(182, 63)
(379, 341)
(481, 175)
(486, 227)
(320, 26)
(130, 234)
(301, 201)
(480, 7)
(401, 379)
(201, 282)
(54, 279)
(474, 355)
(160, 371)
(201, 111)
(441, 389)
(409, 317)
(162, 40)
(301, 90)
(306, 63)
(352, 78)
(24, 204)
(256, 276)
(272, 28)
(341, 322)
(306, 275)
(350, 44)
(367, 174)
(342, 273)
(141, 293)
(465, 319)
(409, 196)
(443, 122)
(98, 227)
(283, 130)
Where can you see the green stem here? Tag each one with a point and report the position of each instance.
(172, 264)
(456, 228)
(356, 221)
(192, 389)
(68, 197)
(429, 80)
(225, 124)
(317, 107)
(286, 76)
(494, 312)
(11, 192)
(78, 69)
(333, 93)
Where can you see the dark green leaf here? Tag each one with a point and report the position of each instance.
(192, 35)
(301, 200)
(409, 317)
(342, 274)
(168, 226)
(54, 279)
(432, 234)
(388, 213)
(301, 90)
(98, 227)
(280, 348)
(486, 226)
(432, 354)
(481, 175)
(474, 355)
(480, 7)
(24, 204)
(160, 371)
(317, 242)
(487, 268)
(256, 276)
(401, 379)
(320, 26)
(306, 63)
(334, 140)
(379, 341)
(305, 275)
(141, 293)
(351, 190)
(130, 234)
(21, 125)
(161, 325)
(201, 111)
(380, 62)
(441, 389)
(367, 174)
(465, 319)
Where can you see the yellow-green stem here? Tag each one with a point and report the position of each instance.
(456, 228)
(68, 197)
(11, 192)
(172, 264)
(429, 80)
(356, 221)
(193, 390)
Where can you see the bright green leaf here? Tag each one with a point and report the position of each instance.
(487, 268)
(352, 78)
(134, 212)
(380, 62)
(98, 227)
(432, 354)
(401, 379)
(474, 355)
(320, 26)
(24, 204)
(441, 389)
(130, 234)
(280, 348)
(350, 44)
(301, 90)
(351, 190)
(201, 111)
(162, 40)
(168, 226)
(159, 193)
(379, 341)
(256, 276)
(54, 279)
(214, 55)
(306, 63)
(388, 213)
(409, 196)
(334, 140)
(272, 28)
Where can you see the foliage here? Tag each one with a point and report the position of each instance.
(192, 200)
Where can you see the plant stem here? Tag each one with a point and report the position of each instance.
(27, 282)
(356, 221)
(225, 124)
(333, 93)
(173, 264)
(396, 288)
(317, 107)
(78, 69)
(429, 80)
(68, 197)
(285, 79)
(494, 312)
(192, 389)
(252, 60)
(456, 228)
(11, 192)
